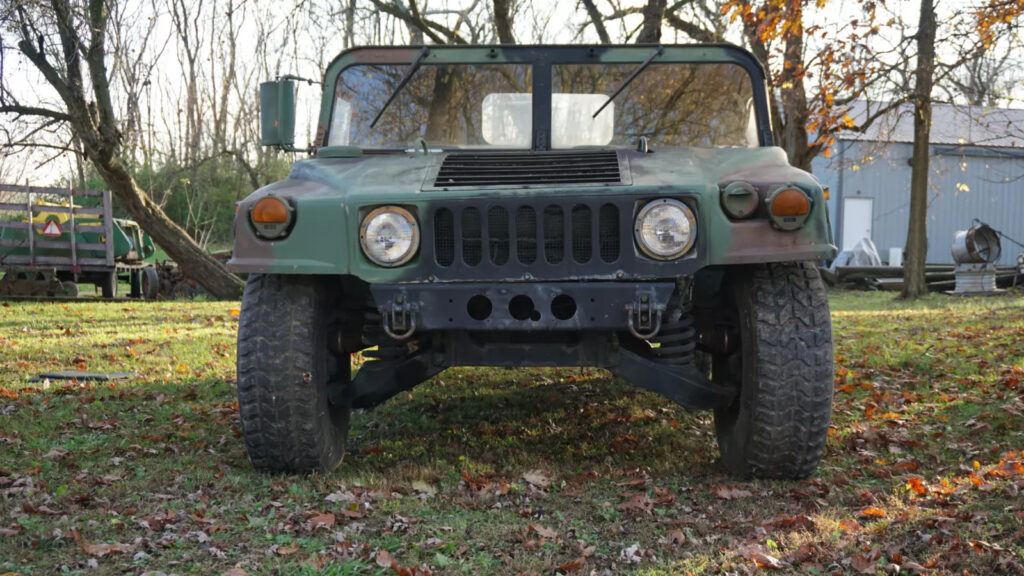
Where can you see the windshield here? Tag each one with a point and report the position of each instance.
(442, 104)
(679, 104)
(491, 105)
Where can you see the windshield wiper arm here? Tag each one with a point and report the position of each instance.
(413, 67)
(643, 66)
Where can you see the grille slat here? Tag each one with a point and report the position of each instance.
(518, 168)
(472, 236)
(526, 234)
(498, 233)
(554, 234)
(608, 233)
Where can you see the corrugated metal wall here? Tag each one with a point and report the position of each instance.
(964, 184)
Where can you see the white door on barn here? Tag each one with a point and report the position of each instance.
(856, 220)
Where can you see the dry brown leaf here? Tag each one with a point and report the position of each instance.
(236, 571)
(849, 525)
(384, 559)
(731, 492)
(537, 478)
(287, 550)
(863, 564)
(323, 520)
(542, 531)
(762, 560)
(676, 538)
(572, 565)
(637, 502)
(100, 550)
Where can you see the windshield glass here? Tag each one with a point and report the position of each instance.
(444, 105)
(677, 104)
(491, 105)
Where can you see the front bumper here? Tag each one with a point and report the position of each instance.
(523, 306)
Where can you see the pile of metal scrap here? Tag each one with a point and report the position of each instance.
(975, 251)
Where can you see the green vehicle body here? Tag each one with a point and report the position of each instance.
(331, 193)
(529, 253)
(131, 244)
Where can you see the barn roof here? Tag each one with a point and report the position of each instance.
(951, 124)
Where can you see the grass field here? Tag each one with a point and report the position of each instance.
(500, 471)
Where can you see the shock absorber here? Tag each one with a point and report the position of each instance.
(677, 338)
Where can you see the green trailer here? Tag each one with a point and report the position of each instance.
(53, 239)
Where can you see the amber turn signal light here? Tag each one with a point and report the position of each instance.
(790, 202)
(271, 217)
(270, 210)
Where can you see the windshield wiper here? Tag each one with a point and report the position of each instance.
(643, 66)
(413, 67)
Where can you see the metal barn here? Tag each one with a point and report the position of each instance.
(977, 171)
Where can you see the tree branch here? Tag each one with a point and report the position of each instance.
(598, 21)
(34, 111)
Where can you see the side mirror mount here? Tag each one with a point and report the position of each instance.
(277, 114)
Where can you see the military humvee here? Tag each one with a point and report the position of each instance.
(613, 206)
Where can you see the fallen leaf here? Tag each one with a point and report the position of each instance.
(424, 488)
(863, 564)
(917, 485)
(542, 531)
(236, 571)
(323, 520)
(287, 550)
(384, 559)
(100, 550)
(872, 512)
(676, 538)
(637, 502)
(849, 525)
(572, 565)
(537, 478)
(763, 560)
(731, 492)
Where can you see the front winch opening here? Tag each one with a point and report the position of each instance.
(479, 307)
(521, 308)
(563, 307)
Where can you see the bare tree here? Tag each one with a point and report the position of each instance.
(68, 43)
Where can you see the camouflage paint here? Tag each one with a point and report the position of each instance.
(330, 192)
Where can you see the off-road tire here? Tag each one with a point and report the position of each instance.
(778, 425)
(284, 371)
(108, 284)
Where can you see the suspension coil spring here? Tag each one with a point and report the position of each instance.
(374, 335)
(677, 338)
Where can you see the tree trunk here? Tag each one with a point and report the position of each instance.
(503, 22)
(794, 97)
(917, 238)
(654, 12)
(94, 122)
(190, 257)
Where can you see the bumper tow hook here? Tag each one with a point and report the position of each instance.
(644, 317)
(399, 319)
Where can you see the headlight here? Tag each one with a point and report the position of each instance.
(389, 236)
(665, 229)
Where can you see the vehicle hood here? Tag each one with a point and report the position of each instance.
(380, 177)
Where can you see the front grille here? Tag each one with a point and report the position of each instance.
(529, 168)
(589, 233)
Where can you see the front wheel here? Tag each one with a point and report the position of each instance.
(286, 374)
(778, 425)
